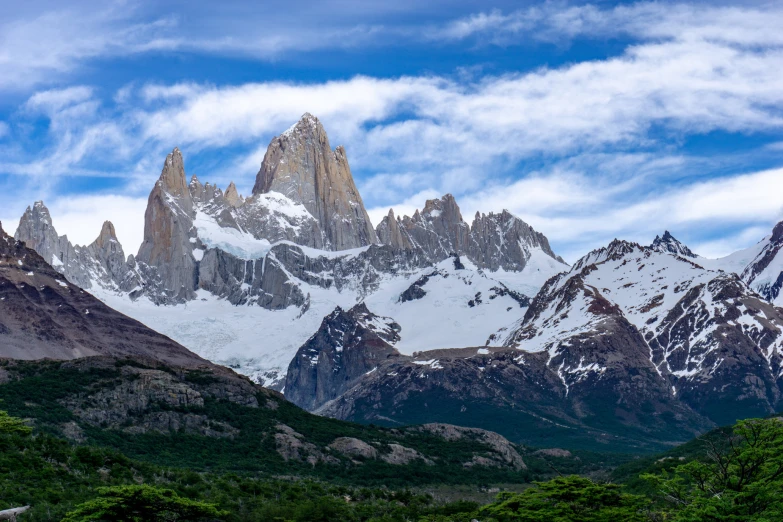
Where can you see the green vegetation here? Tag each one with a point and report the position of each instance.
(740, 477)
(142, 504)
(729, 474)
(568, 498)
(10, 424)
(45, 388)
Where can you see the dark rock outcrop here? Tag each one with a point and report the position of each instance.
(348, 345)
(668, 243)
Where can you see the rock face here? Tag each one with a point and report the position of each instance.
(101, 264)
(347, 346)
(123, 398)
(668, 243)
(765, 272)
(168, 230)
(283, 247)
(506, 453)
(42, 315)
(493, 242)
(301, 165)
(521, 397)
(503, 241)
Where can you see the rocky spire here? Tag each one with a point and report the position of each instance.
(106, 236)
(301, 165)
(668, 243)
(173, 175)
(438, 229)
(232, 196)
(389, 233)
(505, 241)
(102, 263)
(38, 233)
(168, 226)
(107, 252)
(495, 241)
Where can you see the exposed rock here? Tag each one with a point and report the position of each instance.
(168, 230)
(348, 345)
(765, 272)
(42, 315)
(301, 165)
(489, 387)
(503, 241)
(353, 448)
(400, 455)
(553, 452)
(232, 196)
(504, 453)
(293, 446)
(668, 243)
(389, 233)
(73, 431)
(102, 263)
(494, 241)
(702, 335)
(174, 422)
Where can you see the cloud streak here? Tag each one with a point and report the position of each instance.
(576, 150)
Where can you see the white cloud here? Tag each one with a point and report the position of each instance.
(556, 21)
(53, 101)
(37, 48)
(692, 70)
(578, 213)
(81, 217)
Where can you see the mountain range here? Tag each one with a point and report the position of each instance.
(428, 318)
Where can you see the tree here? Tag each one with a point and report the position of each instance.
(142, 504)
(568, 499)
(10, 424)
(741, 478)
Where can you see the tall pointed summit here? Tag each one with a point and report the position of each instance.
(168, 223)
(301, 165)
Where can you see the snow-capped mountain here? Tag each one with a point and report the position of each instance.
(429, 318)
(245, 281)
(765, 272)
(632, 345)
(706, 333)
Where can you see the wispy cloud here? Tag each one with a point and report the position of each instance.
(559, 22)
(606, 130)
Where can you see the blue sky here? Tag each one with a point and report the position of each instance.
(588, 120)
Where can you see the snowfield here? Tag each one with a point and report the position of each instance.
(261, 343)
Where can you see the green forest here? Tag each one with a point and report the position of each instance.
(729, 474)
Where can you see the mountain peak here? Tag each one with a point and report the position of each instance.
(777, 233)
(232, 195)
(446, 206)
(307, 124)
(301, 165)
(107, 234)
(38, 212)
(172, 177)
(669, 244)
